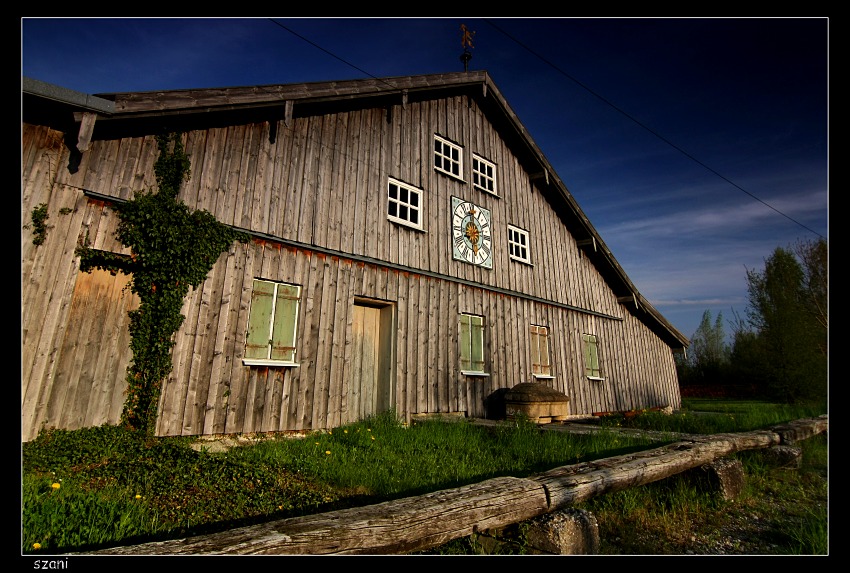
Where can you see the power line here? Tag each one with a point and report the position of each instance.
(329, 53)
(590, 91)
(650, 130)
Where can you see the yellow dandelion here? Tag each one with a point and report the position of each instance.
(345, 431)
(56, 485)
(138, 496)
(328, 452)
(36, 545)
(368, 429)
(373, 437)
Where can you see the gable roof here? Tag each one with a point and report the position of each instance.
(185, 109)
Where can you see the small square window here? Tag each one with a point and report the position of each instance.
(483, 174)
(403, 204)
(518, 244)
(448, 157)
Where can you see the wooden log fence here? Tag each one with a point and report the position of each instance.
(427, 521)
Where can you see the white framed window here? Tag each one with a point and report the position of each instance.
(518, 244)
(472, 345)
(483, 174)
(272, 324)
(448, 157)
(404, 204)
(592, 368)
(541, 365)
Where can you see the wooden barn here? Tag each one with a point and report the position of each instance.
(411, 249)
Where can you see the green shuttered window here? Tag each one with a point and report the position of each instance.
(471, 344)
(592, 368)
(272, 324)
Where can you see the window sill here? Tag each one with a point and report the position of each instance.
(483, 190)
(407, 224)
(266, 362)
(596, 378)
(522, 261)
(449, 174)
(542, 376)
(474, 374)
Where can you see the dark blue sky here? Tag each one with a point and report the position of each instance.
(694, 146)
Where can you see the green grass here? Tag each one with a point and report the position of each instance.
(780, 512)
(101, 487)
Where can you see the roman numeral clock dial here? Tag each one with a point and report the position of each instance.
(471, 240)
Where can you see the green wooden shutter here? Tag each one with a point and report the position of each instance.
(591, 355)
(465, 356)
(285, 323)
(259, 320)
(476, 328)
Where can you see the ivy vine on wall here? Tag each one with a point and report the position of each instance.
(172, 248)
(39, 224)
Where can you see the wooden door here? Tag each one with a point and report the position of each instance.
(370, 389)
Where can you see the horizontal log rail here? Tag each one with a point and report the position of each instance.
(427, 521)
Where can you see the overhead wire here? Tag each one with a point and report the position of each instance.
(593, 93)
(647, 128)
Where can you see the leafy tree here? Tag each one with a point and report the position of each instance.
(748, 362)
(708, 344)
(814, 257)
(783, 340)
(708, 354)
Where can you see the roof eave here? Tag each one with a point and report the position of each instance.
(206, 101)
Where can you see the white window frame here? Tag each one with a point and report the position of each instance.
(541, 358)
(515, 246)
(268, 361)
(442, 155)
(406, 206)
(481, 178)
(590, 343)
(467, 319)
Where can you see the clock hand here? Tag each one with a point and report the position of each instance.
(472, 234)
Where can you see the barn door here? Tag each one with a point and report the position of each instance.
(370, 386)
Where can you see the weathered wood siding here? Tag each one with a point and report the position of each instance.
(323, 182)
(74, 326)
(210, 390)
(321, 187)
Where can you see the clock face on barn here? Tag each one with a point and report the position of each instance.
(471, 240)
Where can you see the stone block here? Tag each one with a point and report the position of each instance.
(725, 476)
(783, 456)
(568, 532)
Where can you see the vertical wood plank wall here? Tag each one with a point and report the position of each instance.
(322, 182)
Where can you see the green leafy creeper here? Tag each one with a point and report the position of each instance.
(172, 248)
(39, 224)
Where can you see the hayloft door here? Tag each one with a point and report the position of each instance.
(370, 386)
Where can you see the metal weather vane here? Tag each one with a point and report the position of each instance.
(466, 41)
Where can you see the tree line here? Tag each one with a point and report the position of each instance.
(778, 350)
